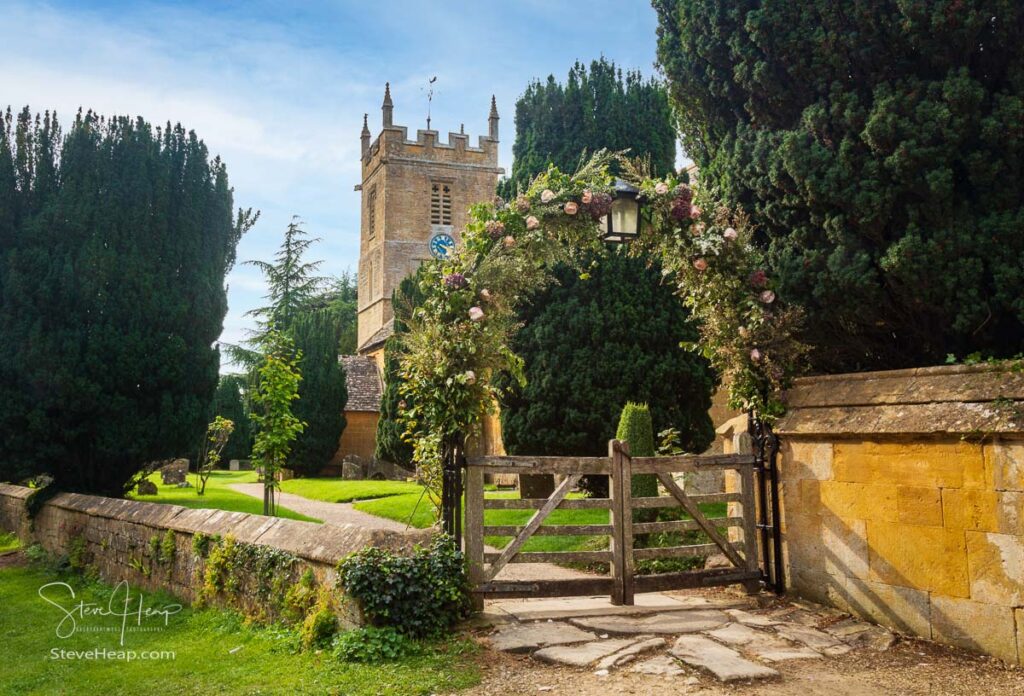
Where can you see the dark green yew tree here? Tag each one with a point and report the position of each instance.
(590, 346)
(323, 391)
(115, 239)
(229, 401)
(596, 108)
(390, 445)
(878, 147)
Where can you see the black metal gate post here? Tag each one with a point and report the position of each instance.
(453, 463)
(766, 450)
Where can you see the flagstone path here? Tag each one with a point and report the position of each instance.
(679, 637)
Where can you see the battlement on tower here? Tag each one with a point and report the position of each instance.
(415, 196)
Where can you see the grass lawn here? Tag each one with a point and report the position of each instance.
(217, 496)
(213, 652)
(401, 508)
(8, 542)
(336, 490)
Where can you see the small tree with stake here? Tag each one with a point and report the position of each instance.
(218, 432)
(279, 379)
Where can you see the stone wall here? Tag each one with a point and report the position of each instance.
(359, 437)
(903, 501)
(118, 533)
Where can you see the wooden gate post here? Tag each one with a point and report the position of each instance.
(474, 532)
(621, 494)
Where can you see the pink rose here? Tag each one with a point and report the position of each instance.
(587, 196)
(532, 223)
(522, 204)
(758, 279)
(470, 377)
(571, 208)
(547, 195)
(700, 265)
(509, 241)
(485, 294)
(755, 355)
(476, 314)
(730, 234)
(661, 188)
(695, 211)
(767, 296)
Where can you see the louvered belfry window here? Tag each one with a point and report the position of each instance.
(440, 204)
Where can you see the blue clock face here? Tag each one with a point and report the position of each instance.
(441, 245)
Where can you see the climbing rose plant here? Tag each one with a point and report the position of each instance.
(459, 336)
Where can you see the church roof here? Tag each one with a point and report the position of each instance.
(363, 380)
(377, 339)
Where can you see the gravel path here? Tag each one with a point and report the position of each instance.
(330, 513)
(344, 513)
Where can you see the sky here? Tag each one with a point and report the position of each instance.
(278, 89)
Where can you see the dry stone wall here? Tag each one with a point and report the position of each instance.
(119, 535)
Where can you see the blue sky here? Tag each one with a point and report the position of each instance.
(279, 89)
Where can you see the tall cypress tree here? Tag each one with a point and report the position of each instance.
(114, 244)
(596, 108)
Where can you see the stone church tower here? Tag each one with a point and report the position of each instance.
(416, 195)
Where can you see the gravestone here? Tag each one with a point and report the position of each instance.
(146, 487)
(175, 472)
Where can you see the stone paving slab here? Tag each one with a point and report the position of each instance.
(691, 621)
(573, 607)
(518, 638)
(748, 619)
(811, 637)
(585, 654)
(762, 645)
(630, 653)
(661, 665)
(725, 663)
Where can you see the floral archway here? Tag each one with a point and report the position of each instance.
(458, 338)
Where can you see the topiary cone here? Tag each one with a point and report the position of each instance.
(636, 428)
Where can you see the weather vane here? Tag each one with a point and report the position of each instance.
(430, 97)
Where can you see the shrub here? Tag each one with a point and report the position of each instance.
(371, 644)
(419, 595)
(321, 623)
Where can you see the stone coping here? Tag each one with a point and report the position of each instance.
(970, 400)
(321, 543)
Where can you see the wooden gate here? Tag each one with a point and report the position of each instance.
(734, 536)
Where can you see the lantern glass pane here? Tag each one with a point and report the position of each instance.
(625, 216)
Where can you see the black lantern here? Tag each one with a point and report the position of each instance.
(622, 223)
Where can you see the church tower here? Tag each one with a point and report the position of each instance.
(416, 196)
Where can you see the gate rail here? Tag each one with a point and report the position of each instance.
(622, 583)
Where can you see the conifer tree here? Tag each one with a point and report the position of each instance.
(590, 344)
(302, 311)
(390, 445)
(229, 402)
(877, 148)
(596, 108)
(115, 240)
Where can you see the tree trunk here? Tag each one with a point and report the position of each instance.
(536, 485)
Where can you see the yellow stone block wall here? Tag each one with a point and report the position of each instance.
(916, 525)
(359, 437)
